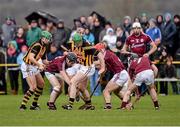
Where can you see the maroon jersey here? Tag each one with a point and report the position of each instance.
(137, 44)
(113, 63)
(139, 65)
(56, 64)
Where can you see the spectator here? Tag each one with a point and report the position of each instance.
(50, 26)
(97, 30)
(24, 49)
(144, 21)
(168, 34)
(20, 38)
(83, 21)
(160, 22)
(137, 19)
(162, 59)
(14, 70)
(121, 37)
(154, 32)
(103, 32)
(33, 34)
(170, 72)
(110, 38)
(3, 85)
(177, 35)
(127, 24)
(8, 31)
(88, 37)
(90, 22)
(54, 52)
(42, 27)
(77, 23)
(60, 35)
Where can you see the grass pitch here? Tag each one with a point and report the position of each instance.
(143, 114)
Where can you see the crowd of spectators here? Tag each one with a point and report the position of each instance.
(163, 29)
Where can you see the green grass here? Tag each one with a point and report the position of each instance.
(143, 114)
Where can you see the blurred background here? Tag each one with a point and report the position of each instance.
(69, 9)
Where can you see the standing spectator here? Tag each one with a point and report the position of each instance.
(24, 49)
(77, 23)
(110, 38)
(60, 35)
(83, 21)
(144, 21)
(177, 35)
(154, 32)
(90, 22)
(127, 24)
(103, 32)
(137, 19)
(3, 85)
(160, 22)
(121, 37)
(20, 38)
(33, 34)
(88, 37)
(14, 70)
(168, 34)
(170, 72)
(8, 31)
(97, 30)
(50, 26)
(162, 59)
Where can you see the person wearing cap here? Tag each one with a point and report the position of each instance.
(33, 34)
(56, 74)
(31, 68)
(140, 70)
(8, 31)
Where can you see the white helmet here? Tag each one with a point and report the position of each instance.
(136, 25)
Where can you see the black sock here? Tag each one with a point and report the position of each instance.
(156, 104)
(123, 105)
(71, 101)
(88, 102)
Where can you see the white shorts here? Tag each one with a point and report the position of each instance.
(29, 70)
(50, 75)
(146, 77)
(125, 86)
(87, 70)
(120, 78)
(73, 70)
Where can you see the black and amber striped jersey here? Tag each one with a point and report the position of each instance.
(85, 56)
(38, 49)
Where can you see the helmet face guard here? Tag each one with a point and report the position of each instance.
(77, 39)
(71, 57)
(46, 35)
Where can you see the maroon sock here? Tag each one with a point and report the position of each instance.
(156, 104)
(123, 104)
